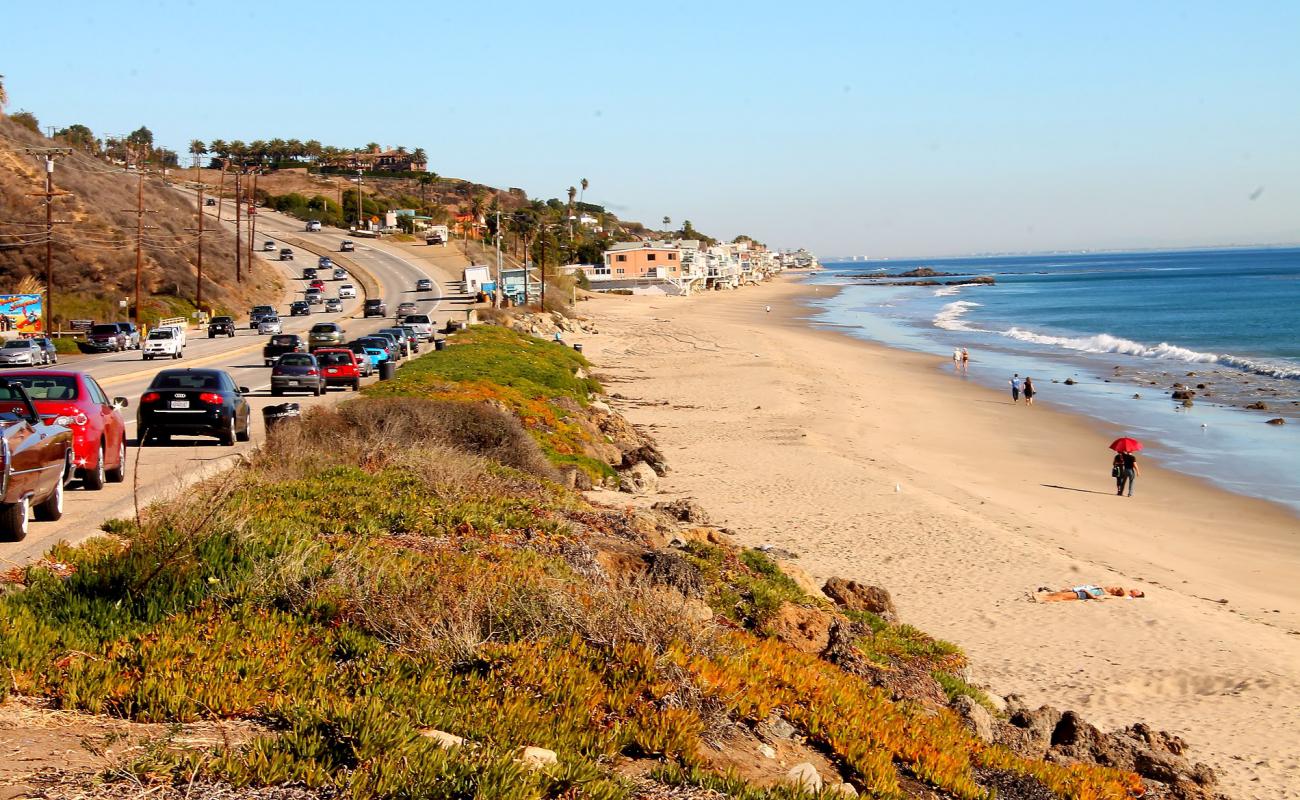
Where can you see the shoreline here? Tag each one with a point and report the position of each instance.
(932, 489)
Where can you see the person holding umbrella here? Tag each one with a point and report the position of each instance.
(1124, 467)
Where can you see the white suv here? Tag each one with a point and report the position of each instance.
(347, 290)
(421, 324)
(162, 343)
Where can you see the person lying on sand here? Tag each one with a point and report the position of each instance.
(1086, 592)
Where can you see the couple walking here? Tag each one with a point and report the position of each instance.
(1025, 387)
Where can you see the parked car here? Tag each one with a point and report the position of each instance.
(309, 273)
(259, 313)
(401, 350)
(297, 372)
(422, 325)
(411, 336)
(406, 308)
(374, 307)
(193, 402)
(424, 285)
(270, 325)
(281, 344)
(105, 337)
(131, 333)
(317, 284)
(268, 245)
(347, 246)
(221, 326)
(179, 330)
(339, 273)
(48, 349)
(340, 366)
(299, 308)
(21, 353)
(37, 461)
(347, 291)
(399, 335)
(325, 334)
(286, 254)
(392, 350)
(324, 262)
(314, 297)
(210, 202)
(370, 354)
(161, 343)
(76, 401)
(333, 304)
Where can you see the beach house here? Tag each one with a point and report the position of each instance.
(650, 267)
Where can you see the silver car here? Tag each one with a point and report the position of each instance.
(333, 304)
(270, 326)
(21, 353)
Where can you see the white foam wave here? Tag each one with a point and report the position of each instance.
(950, 316)
(947, 291)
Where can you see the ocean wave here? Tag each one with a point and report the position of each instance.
(947, 291)
(950, 316)
(1105, 343)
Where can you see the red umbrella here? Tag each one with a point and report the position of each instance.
(1126, 445)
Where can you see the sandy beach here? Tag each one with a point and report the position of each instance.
(883, 466)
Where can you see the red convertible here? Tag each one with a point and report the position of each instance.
(76, 401)
(35, 461)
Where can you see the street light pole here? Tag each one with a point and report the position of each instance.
(358, 199)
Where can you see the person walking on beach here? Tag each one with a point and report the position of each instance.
(965, 358)
(1126, 471)
(1015, 388)
(1029, 391)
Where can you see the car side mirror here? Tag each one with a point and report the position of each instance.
(120, 402)
(244, 390)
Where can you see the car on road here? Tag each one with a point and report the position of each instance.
(286, 254)
(299, 308)
(433, 239)
(422, 325)
(325, 334)
(221, 326)
(179, 330)
(270, 325)
(259, 313)
(406, 308)
(281, 344)
(314, 296)
(36, 460)
(209, 202)
(341, 366)
(374, 307)
(424, 285)
(21, 353)
(324, 262)
(309, 273)
(132, 334)
(347, 290)
(161, 343)
(401, 336)
(193, 402)
(104, 337)
(392, 351)
(268, 245)
(347, 246)
(297, 372)
(313, 225)
(339, 274)
(402, 350)
(76, 401)
(47, 347)
(412, 336)
(333, 304)
(317, 284)
(370, 353)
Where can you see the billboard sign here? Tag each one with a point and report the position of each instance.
(21, 313)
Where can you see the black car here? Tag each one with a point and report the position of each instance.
(221, 326)
(309, 273)
(376, 308)
(286, 254)
(103, 338)
(209, 202)
(193, 402)
(298, 372)
(299, 308)
(280, 344)
(386, 344)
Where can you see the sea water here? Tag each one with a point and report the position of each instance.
(1125, 328)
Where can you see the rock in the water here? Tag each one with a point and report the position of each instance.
(1069, 381)
(856, 596)
(1183, 394)
(536, 757)
(1276, 421)
(1258, 405)
(976, 717)
(804, 776)
(442, 739)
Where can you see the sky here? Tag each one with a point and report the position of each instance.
(850, 128)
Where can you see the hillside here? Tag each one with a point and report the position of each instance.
(94, 255)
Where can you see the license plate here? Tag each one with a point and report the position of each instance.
(332, 371)
(179, 404)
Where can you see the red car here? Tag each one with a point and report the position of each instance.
(75, 400)
(317, 284)
(340, 367)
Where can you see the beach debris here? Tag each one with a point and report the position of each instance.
(1137, 396)
(804, 776)
(1069, 381)
(1258, 405)
(1187, 402)
(1183, 394)
(854, 596)
(1276, 421)
(898, 488)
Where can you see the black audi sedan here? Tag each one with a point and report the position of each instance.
(194, 402)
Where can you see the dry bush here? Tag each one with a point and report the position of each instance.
(495, 316)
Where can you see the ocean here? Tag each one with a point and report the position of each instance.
(1127, 330)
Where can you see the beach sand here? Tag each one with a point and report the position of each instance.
(883, 466)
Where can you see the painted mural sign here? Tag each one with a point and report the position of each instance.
(21, 313)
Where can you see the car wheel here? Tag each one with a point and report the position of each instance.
(93, 477)
(51, 508)
(245, 434)
(227, 437)
(13, 520)
(276, 392)
(212, 336)
(118, 473)
(356, 385)
(176, 355)
(147, 357)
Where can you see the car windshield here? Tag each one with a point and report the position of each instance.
(323, 327)
(286, 341)
(18, 344)
(161, 335)
(47, 387)
(417, 319)
(221, 320)
(103, 329)
(333, 359)
(296, 360)
(270, 320)
(262, 309)
(185, 380)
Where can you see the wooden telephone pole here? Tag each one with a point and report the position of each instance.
(49, 194)
(139, 212)
(198, 285)
(239, 246)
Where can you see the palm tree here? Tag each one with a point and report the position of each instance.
(419, 156)
(218, 147)
(667, 222)
(197, 147)
(572, 194)
(584, 185)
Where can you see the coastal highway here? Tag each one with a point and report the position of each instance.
(156, 471)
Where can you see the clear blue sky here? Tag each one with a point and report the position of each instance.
(883, 129)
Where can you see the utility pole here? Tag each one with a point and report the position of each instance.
(221, 193)
(543, 271)
(239, 246)
(358, 199)
(198, 285)
(496, 294)
(251, 213)
(49, 194)
(139, 212)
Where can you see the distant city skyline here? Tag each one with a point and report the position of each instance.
(846, 128)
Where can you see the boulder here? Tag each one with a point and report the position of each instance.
(684, 510)
(805, 629)
(854, 596)
(775, 729)
(804, 776)
(1276, 421)
(767, 751)
(1258, 405)
(844, 790)
(670, 568)
(640, 478)
(1070, 381)
(442, 739)
(536, 757)
(801, 578)
(977, 717)
(1183, 394)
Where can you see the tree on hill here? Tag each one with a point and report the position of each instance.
(583, 183)
(79, 136)
(420, 156)
(4, 96)
(26, 119)
(197, 147)
(668, 221)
